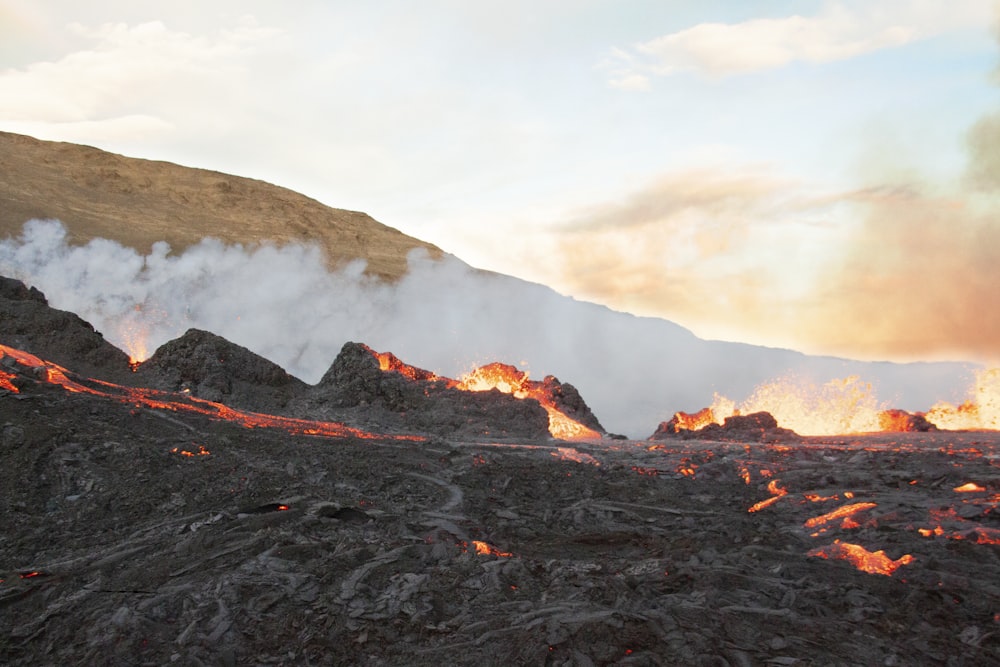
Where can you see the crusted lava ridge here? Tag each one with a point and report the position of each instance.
(29, 323)
(356, 389)
(211, 367)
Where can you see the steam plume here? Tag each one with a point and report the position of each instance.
(284, 304)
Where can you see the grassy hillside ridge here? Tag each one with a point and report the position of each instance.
(138, 202)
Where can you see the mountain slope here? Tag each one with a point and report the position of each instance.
(137, 202)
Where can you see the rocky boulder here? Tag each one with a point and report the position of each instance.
(28, 323)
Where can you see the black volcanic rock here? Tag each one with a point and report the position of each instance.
(216, 369)
(28, 323)
(568, 400)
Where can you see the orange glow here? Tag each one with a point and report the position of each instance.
(839, 513)
(162, 400)
(982, 534)
(509, 380)
(970, 487)
(387, 361)
(835, 408)
(5, 382)
(980, 411)
(183, 452)
(816, 498)
(866, 561)
(777, 493)
(693, 422)
(484, 549)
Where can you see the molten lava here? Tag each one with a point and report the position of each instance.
(484, 549)
(162, 400)
(980, 411)
(509, 380)
(866, 561)
(777, 493)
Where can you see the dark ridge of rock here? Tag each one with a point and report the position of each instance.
(754, 427)
(568, 400)
(412, 399)
(213, 368)
(28, 323)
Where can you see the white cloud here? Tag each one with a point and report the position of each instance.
(839, 32)
(129, 72)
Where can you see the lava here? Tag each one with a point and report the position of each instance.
(970, 487)
(481, 548)
(509, 380)
(866, 561)
(980, 411)
(6, 382)
(777, 493)
(162, 400)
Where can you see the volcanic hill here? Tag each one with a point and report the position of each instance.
(138, 202)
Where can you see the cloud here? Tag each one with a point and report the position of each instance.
(897, 270)
(841, 31)
(131, 73)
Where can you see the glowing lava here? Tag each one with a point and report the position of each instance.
(162, 400)
(510, 380)
(866, 561)
(980, 411)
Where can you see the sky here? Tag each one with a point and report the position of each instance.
(817, 175)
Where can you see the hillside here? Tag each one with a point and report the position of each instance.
(137, 202)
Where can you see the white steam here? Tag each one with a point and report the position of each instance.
(284, 304)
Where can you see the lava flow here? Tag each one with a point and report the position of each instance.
(504, 378)
(510, 380)
(867, 561)
(848, 406)
(162, 400)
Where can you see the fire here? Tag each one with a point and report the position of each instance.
(509, 380)
(161, 400)
(866, 561)
(980, 411)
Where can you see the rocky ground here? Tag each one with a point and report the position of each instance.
(142, 536)
(151, 528)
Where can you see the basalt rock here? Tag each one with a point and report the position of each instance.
(28, 323)
(211, 367)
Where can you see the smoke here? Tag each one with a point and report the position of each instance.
(284, 304)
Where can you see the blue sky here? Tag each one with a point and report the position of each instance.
(747, 169)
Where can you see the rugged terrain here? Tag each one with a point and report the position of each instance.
(153, 527)
(138, 202)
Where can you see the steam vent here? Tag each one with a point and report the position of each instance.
(205, 506)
